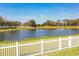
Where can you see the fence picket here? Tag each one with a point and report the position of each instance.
(6, 49)
(16, 48)
(69, 41)
(42, 47)
(60, 43)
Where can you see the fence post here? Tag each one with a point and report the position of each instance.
(42, 47)
(69, 41)
(16, 48)
(60, 43)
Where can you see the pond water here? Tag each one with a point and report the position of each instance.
(21, 34)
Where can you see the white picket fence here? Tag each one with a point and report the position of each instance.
(38, 48)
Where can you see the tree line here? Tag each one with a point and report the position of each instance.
(8, 24)
(31, 23)
(66, 22)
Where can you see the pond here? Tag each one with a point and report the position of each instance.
(21, 34)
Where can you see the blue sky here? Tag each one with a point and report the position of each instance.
(39, 11)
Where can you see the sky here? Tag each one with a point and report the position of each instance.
(40, 12)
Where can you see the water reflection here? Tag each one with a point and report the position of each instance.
(21, 34)
(30, 33)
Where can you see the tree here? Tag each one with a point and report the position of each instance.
(13, 24)
(2, 22)
(75, 22)
(50, 23)
(31, 23)
(47, 23)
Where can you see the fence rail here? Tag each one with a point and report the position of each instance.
(16, 49)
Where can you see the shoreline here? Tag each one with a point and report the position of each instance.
(31, 40)
(38, 38)
(44, 27)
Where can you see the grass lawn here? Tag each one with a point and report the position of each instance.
(31, 40)
(29, 49)
(65, 52)
(12, 29)
(58, 27)
(45, 38)
(41, 27)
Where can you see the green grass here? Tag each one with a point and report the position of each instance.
(11, 29)
(30, 49)
(58, 27)
(41, 27)
(65, 52)
(37, 39)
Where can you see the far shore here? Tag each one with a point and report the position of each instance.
(40, 27)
